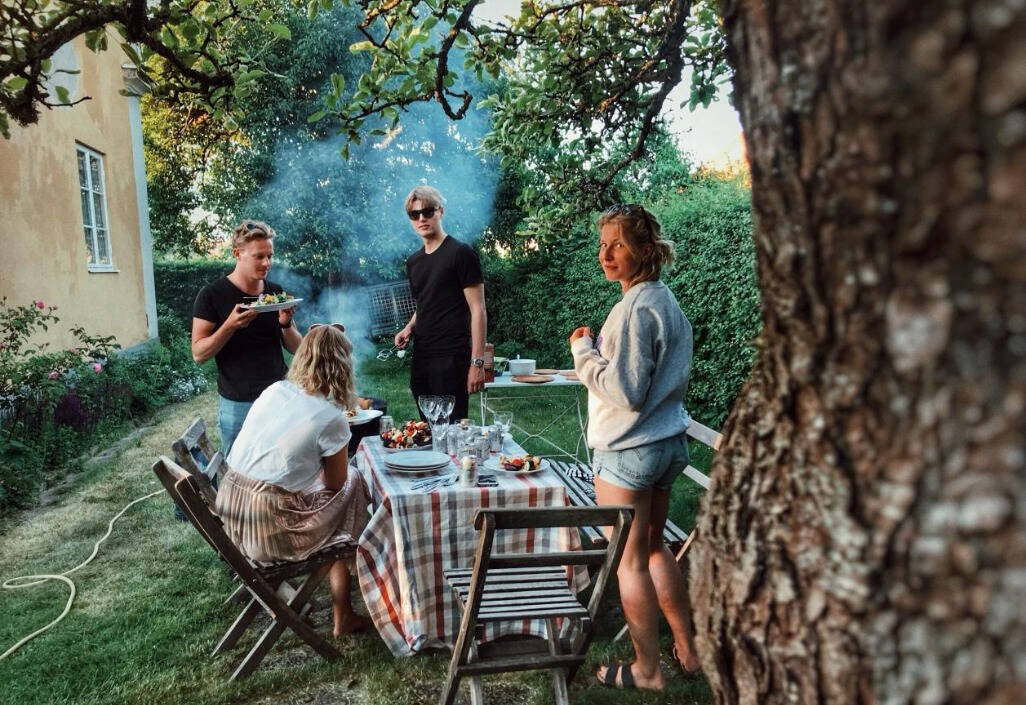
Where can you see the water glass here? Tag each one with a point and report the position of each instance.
(452, 440)
(495, 438)
(439, 435)
(504, 419)
(387, 424)
(483, 446)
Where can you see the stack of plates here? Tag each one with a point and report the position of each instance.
(417, 461)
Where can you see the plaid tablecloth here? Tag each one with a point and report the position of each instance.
(414, 536)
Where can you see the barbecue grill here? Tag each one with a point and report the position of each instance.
(391, 307)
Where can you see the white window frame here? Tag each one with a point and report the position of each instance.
(89, 219)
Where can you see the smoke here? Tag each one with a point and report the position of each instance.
(341, 224)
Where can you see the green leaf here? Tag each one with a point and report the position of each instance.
(280, 31)
(62, 94)
(311, 9)
(314, 117)
(16, 83)
(132, 54)
(338, 83)
(365, 45)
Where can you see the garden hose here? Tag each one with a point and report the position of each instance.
(25, 581)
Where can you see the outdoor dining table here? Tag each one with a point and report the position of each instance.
(415, 535)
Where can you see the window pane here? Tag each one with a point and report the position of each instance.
(90, 255)
(94, 171)
(101, 222)
(103, 247)
(87, 218)
(83, 177)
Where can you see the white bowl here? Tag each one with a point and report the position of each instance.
(521, 367)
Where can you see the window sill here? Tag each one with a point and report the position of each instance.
(104, 270)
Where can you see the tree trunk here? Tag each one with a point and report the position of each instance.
(864, 537)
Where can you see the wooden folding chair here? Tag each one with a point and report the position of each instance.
(266, 584)
(579, 479)
(197, 455)
(519, 586)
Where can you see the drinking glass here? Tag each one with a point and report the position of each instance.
(386, 424)
(504, 419)
(428, 404)
(439, 432)
(445, 404)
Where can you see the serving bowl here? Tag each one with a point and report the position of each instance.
(521, 367)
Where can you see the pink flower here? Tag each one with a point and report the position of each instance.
(53, 374)
(97, 368)
(40, 304)
(73, 349)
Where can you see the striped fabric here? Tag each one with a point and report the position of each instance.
(414, 536)
(268, 523)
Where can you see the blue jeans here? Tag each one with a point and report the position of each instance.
(652, 465)
(230, 416)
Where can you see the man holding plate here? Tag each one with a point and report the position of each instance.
(245, 343)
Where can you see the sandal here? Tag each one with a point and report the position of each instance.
(609, 680)
(680, 664)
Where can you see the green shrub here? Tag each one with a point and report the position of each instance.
(536, 301)
(57, 406)
(176, 282)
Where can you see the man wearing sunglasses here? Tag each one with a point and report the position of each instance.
(245, 344)
(450, 325)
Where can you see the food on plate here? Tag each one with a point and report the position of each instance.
(409, 435)
(520, 463)
(280, 298)
(351, 413)
(363, 403)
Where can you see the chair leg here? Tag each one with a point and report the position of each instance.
(559, 688)
(288, 616)
(238, 628)
(238, 596)
(476, 687)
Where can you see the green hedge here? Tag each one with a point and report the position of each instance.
(176, 282)
(534, 304)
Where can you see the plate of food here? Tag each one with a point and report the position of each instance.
(520, 464)
(272, 302)
(355, 417)
(412, 435)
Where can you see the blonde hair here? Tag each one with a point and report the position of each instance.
(249, 230)
(428, 196)
(642, 235)
(323, 366)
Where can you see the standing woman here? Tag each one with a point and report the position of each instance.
(636, 373)
(288, 491)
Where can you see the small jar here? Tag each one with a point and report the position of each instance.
(468, 471)
(484, 446)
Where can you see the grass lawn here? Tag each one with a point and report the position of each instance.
(148, 609)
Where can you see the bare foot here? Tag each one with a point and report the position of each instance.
(351, 624)
(689, 663)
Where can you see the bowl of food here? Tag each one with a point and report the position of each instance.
(521, 367)
(412, 435)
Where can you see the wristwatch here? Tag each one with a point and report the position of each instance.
(477, 362)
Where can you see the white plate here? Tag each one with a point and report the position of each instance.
(493, 464)
(418, 471)
(363, 416)
(417, 460)
(264, 308)
(402, 450)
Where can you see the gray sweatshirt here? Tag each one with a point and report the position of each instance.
(637, 370)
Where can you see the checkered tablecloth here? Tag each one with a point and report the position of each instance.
(414, 536)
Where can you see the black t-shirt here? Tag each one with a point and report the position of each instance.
(437, 281)
(251, 360)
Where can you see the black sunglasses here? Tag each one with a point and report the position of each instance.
(428, 213)
(625, 209)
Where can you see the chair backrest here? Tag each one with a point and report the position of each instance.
(488, 521)
(197, 455)
(707, 436)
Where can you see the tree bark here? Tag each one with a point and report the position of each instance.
(864, 536)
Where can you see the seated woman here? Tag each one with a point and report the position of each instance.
(288, 492)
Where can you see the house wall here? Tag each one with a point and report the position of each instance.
(45, 255)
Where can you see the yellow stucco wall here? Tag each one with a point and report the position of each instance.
(45, 255)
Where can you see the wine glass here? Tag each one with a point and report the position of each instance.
(428, 404)
(445, 404)
(504, 419)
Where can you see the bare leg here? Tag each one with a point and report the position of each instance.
(346, 620)
(669, 583)
(637, 591)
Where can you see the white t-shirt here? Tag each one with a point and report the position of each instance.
(285, 435)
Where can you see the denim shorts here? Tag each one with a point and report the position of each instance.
(652, 465)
